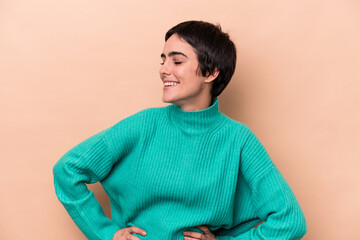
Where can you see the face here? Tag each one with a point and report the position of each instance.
(183, 83)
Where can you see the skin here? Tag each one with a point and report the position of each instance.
(126, 233)
(180, 64)
(207, 235)
(192, 93)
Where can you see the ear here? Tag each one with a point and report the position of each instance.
(212, 77)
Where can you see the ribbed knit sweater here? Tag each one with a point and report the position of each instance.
(167, 170)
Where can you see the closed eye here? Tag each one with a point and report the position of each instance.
(176, 63)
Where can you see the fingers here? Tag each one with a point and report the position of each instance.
(126, 233)
(136, 230)
(190, 238)
(192, 235)
(132, 237)
(206, 235)
(205, 229)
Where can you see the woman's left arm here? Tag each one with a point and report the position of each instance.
(273, 200)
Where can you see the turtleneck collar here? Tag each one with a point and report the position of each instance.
(196, 122)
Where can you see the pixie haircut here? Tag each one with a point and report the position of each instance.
(214, 49)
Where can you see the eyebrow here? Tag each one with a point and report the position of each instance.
(173, 54)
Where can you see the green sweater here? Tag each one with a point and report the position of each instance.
(166, 171)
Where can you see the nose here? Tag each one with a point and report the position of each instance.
(164, 69)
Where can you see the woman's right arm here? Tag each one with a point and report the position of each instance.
(90, 162)
(86, 163)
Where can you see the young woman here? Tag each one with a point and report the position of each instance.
(185, 171)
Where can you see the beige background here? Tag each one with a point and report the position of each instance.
(69, 69)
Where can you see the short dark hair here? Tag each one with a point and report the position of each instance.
(214, 49)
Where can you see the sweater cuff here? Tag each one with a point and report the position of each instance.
(91, 219)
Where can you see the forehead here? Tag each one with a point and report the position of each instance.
(177, 44)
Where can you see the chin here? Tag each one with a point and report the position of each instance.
(168, 100)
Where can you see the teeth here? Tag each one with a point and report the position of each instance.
(170, 84)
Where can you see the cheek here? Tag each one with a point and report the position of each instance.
(179, 73)
(186, 75)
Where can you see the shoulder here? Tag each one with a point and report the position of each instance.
(139, 121)
(146, 115)
(238, 128)
(132, 128)
(152, 112)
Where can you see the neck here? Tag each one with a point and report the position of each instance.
(200, 104)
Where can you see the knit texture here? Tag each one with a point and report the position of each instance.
(166, 171)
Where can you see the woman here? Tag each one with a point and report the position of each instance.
(185, 171)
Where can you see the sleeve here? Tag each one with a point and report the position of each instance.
(273, 200)
(90, 162)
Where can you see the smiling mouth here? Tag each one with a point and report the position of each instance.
(170, 84)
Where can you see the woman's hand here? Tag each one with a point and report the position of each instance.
(207, 235)
(125, 233)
